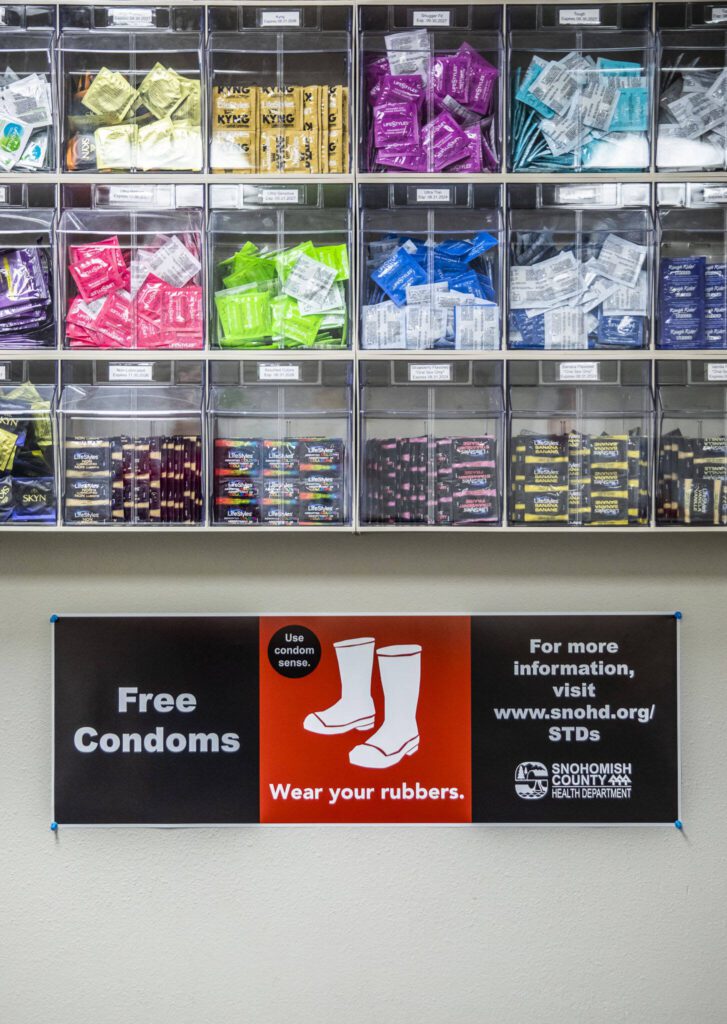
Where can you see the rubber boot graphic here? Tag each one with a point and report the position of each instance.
(400, 669)
(355, 709)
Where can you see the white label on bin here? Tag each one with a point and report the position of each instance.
(433, 195)
(715, 193)
(580, 370)
(580, 16)
(131, 371)
(131, 17)
(280, 19)
(430, 371)
(422, 19)
(3, 371)
(279, 195)
(3, 194)
(717, 371)
(719, 14)
(278, 371)
(133, 194)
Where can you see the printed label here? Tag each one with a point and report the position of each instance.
(715, 193)
(422, 19)
(131, 371)
(3, 194)
(580, 16)
(719, 14)
(278, 371)
(279, 195)
(3, 371)
(132, 194)
(280, 19)
(580, 370)
(717, 371)
(420, 372)
(433, 195)
(131, 17)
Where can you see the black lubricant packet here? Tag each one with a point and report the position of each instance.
(469, 509)
(89, 488)
(318, 485)
(280, 514)
(543, 508)
(237, 456)
(320, 511)
(701, 501)
(88, 455)
(609, 510)
(280, 457)
(247, 488)
(282, 488)
(316, 454)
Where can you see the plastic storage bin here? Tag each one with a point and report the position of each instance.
(131, 437)
(280, 266)
(130, 86)
(692, 307)
(430, 443)
(581, 435)
(430, 96)
(579, 266)
(692, 128)
(691, 484)
(580, 87)
(27, 261)
(27, 443)
(430, 266)
(132, 267)
(28, 110)
(281, 440)
(280, 80)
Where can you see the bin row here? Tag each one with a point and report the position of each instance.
(456, 267)
(259, 90)
(423, 444)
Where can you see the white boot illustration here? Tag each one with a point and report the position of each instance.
(355, 709)
(400, 669)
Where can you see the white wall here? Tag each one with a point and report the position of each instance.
(317, 926)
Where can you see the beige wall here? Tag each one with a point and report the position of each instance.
(321, 925)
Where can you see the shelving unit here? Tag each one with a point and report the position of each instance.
(354, 178)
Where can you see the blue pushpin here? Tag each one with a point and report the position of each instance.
(677, 615)
(54, 618)
(678, 824)
(54, 826)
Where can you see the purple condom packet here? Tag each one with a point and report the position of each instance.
(396, 124)
(488, 156)
(376, 70)
(446, 141)
(21, 277)
(412, 159)
(452, 77)
(483, 76)
(396, 273)
(472, 163)
(395, 88)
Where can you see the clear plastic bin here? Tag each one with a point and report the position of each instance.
(27, 443)
(692, 306)
(430, 443)
(132, 267)
(280, 269)
(280, 443)
(430, 268)
(579, 266)
(280, 89)
(130, 87)
(580, 87)
(430, 89)
(27, 265)
(692, 123)
(28, 111)
(691, 482)
(581, 436)
(132, 443)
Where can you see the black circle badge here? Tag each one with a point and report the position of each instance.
(294, 651)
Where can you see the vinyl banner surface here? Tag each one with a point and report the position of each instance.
(403, 719)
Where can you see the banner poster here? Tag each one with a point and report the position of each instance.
(366, 719)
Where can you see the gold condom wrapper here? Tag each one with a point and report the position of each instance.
(156, 144)
(116, 147)
(162, 91)
(110, 95)
(312, 108)
(289, 152)
(281, 108)
(235, 149)
(336, 107)
(235, 106)
(335, 153)
(190, 109)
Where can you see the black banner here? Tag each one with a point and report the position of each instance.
(492, 719)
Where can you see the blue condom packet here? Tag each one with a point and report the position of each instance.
(623, 68)
(481, 243)
(621, 331)
(531, 328)
(396, 273)
(415, 248)
(486, 287)
(715, 279)
(632, 111)
(468, 283)
(454, 248)
(681, 325)
(523, 95)
(681, 279)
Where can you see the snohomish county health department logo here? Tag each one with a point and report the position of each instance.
(531, 780)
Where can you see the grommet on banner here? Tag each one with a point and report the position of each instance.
(54, 618)
(678, 824)
(54, 826)
(677, 615)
